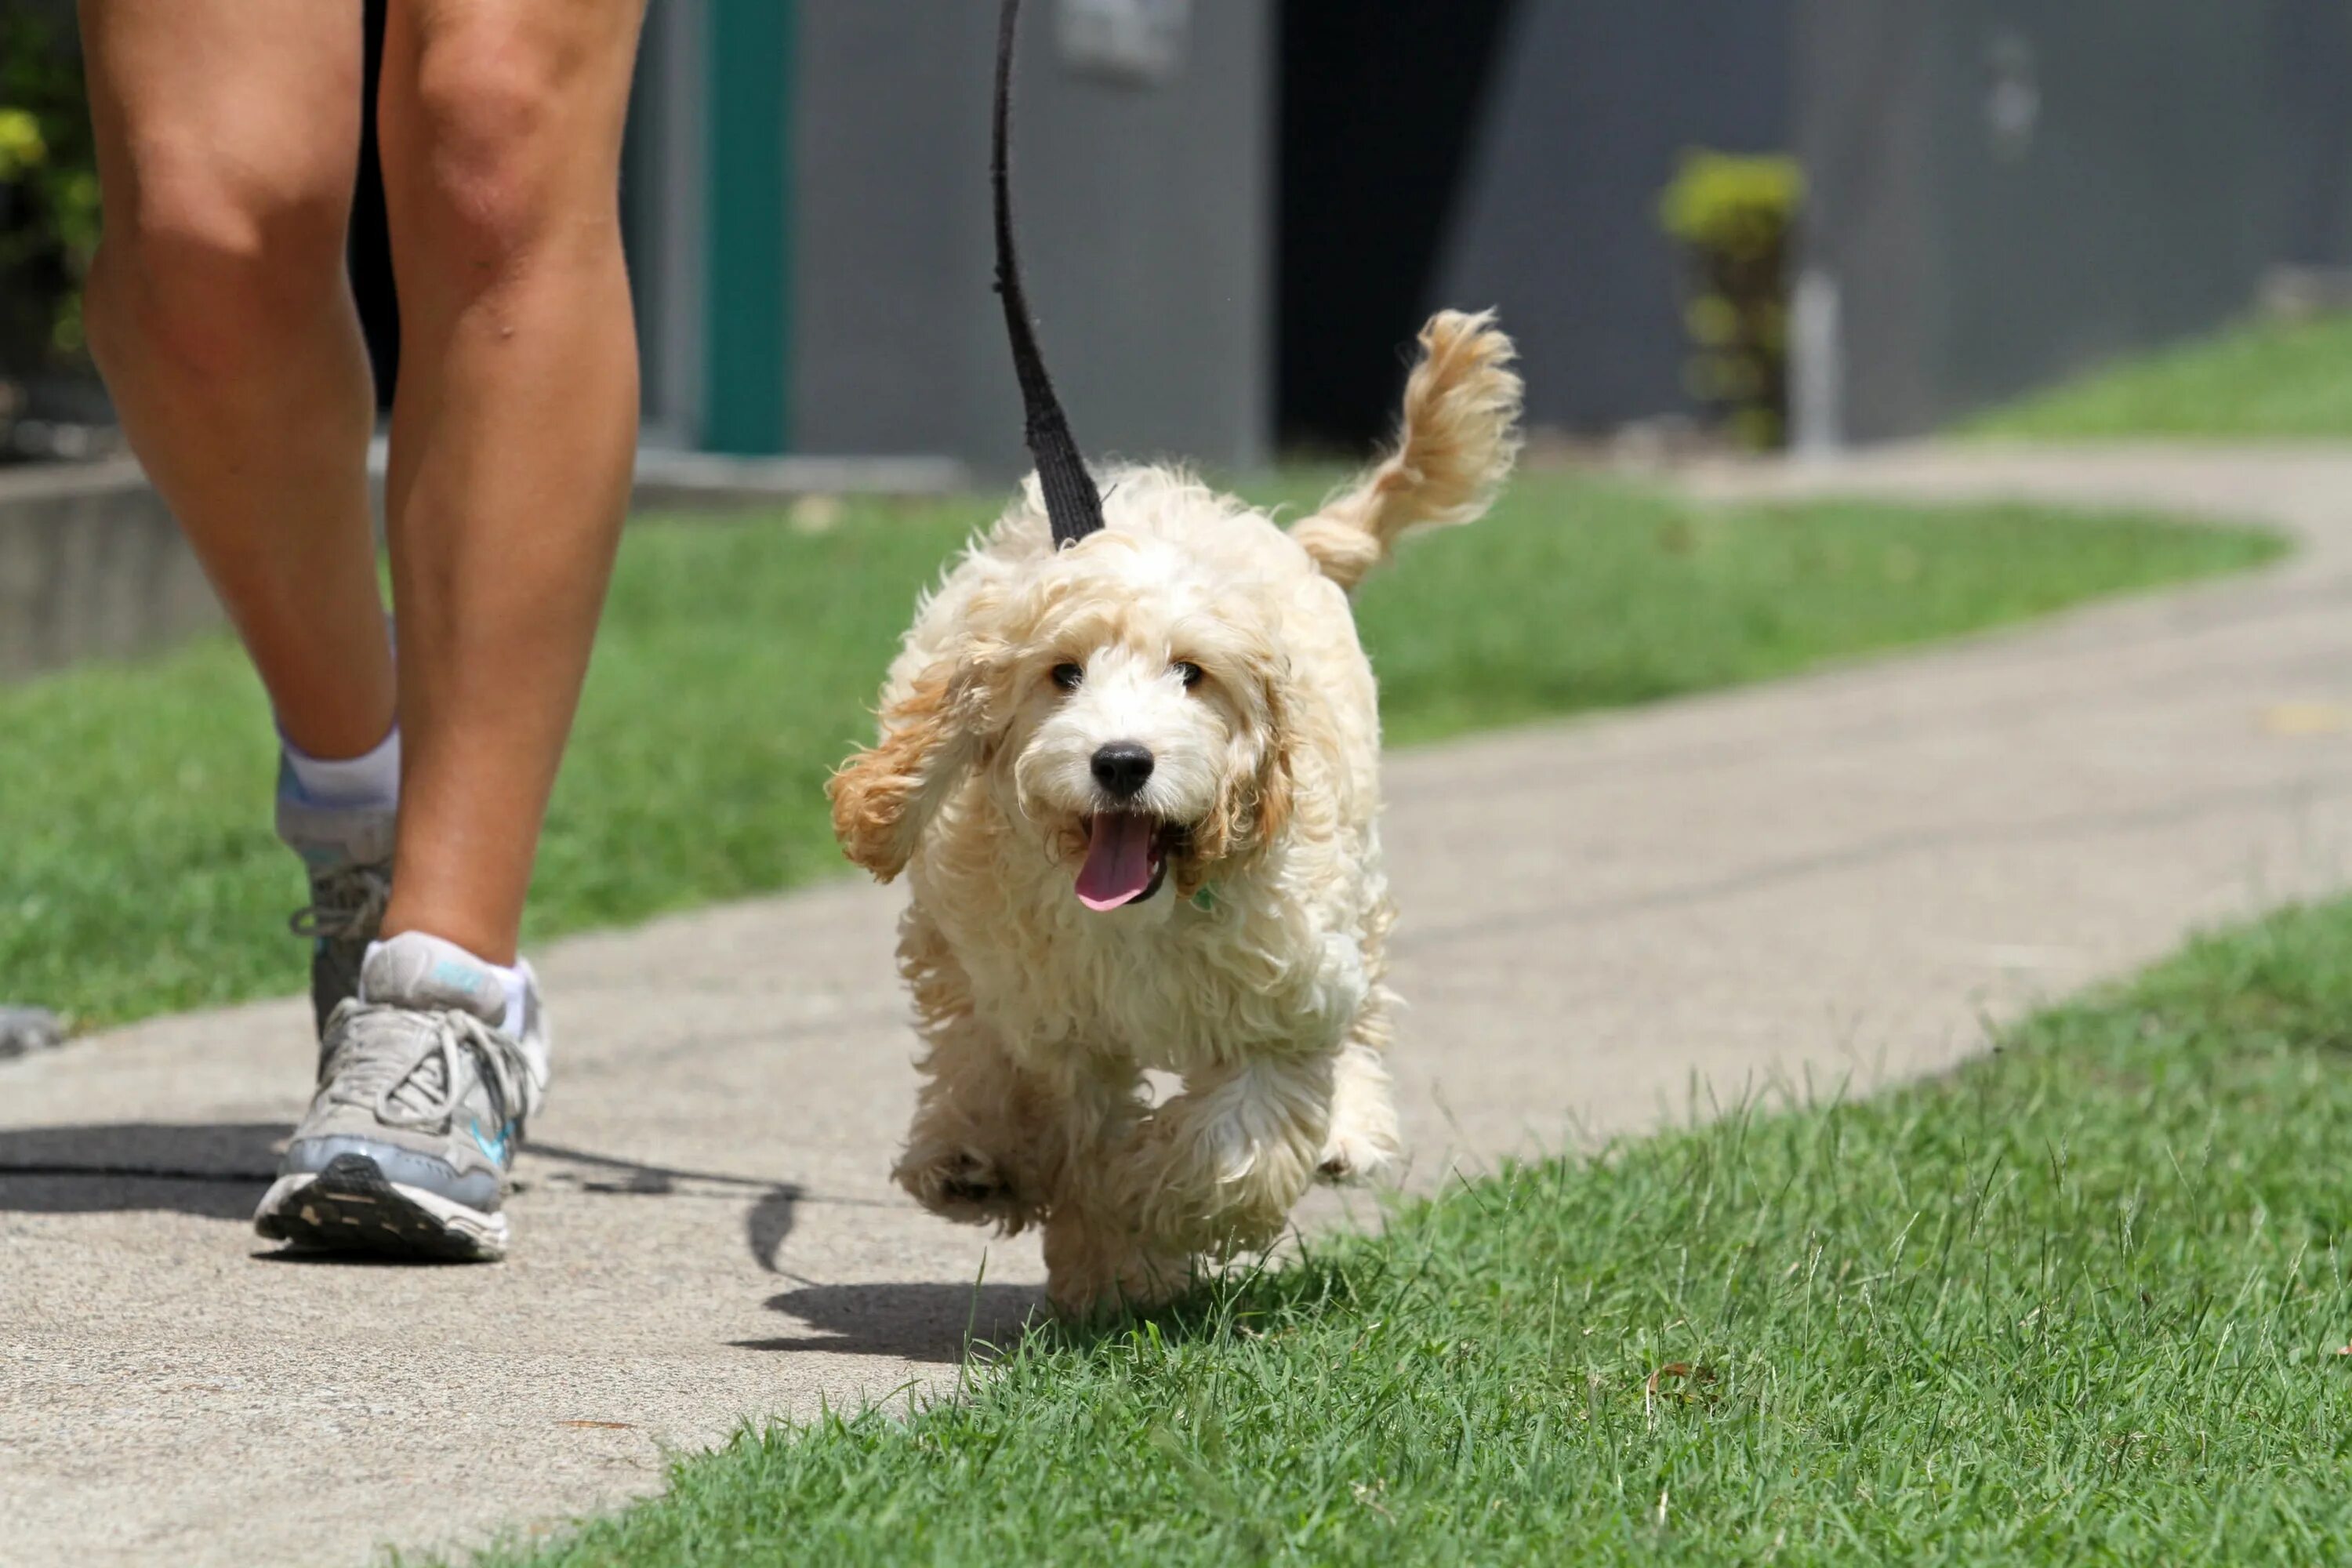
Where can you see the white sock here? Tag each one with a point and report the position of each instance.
(372, 778)
(514, 980)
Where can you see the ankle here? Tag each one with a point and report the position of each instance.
(372, 778)
(514, 979)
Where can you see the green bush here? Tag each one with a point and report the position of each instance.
(1733, 216)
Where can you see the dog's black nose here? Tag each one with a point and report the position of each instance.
(1122, 767)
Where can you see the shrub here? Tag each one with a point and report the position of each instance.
(1733, 216)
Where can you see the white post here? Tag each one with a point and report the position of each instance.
(1816, 367)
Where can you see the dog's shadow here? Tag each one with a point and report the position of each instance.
(925, 1323)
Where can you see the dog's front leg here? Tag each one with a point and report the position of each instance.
(993, 1141)
(1098, 1258)
(1220, 1167)
(983, 1148)
(1362, 1143)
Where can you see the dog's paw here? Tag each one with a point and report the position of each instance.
(1358, 1154)
(1093, 1275)
(1362, 1142)
(966, 1186)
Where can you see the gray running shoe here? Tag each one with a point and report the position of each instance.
(421, 1100)
(348, 852)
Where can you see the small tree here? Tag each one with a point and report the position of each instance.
(1733, 216)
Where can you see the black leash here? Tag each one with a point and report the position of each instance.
(1072, 503)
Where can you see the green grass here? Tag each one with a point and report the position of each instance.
(738, 660)
(2280, 378)
(2079, 1302)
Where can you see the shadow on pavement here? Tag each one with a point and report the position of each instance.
(219, 1170)
(931, 1322)
(211, 1170)
(766, 1223)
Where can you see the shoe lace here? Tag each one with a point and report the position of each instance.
(348, 902)
(408, 1076)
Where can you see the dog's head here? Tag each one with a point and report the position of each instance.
(1126, 701)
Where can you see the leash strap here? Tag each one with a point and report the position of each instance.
(1072, 506)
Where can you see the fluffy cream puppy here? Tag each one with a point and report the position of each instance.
(1134, 785)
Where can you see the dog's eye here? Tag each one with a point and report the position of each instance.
(1188, 672)
(1067, 675)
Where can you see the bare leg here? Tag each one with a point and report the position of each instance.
(228, 134)
(514, 428)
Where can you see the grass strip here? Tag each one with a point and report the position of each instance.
(138, 873)
(2268, 379)
(2080, 1301)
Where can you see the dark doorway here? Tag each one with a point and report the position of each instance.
(1378, 104)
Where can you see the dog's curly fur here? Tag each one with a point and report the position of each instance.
(1201, 629)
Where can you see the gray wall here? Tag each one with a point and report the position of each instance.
(90, 568)
(2310, 63)
(1588, 105)
(2004, 193)
(664, 218)
(1145, 222)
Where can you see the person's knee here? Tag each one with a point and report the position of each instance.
(491, 180)
(208, 263)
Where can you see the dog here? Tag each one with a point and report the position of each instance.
(1133, 781)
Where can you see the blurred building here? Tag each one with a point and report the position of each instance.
(2005, 192)
(1236, 212)
(807, 201)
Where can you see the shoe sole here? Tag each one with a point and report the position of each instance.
(351, 1208)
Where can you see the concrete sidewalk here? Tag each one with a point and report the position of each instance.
(1840, 876)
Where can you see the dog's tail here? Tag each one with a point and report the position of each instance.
(1454, 447)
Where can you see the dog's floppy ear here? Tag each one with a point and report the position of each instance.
(1276, 783)
(1254, 806)
(885, 795)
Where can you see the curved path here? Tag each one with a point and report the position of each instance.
(1840, 877)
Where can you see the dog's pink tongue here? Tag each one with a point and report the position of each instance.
(1118, 860)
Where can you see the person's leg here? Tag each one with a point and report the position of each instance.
(514, 428)
(218, 310)
(227, 140)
